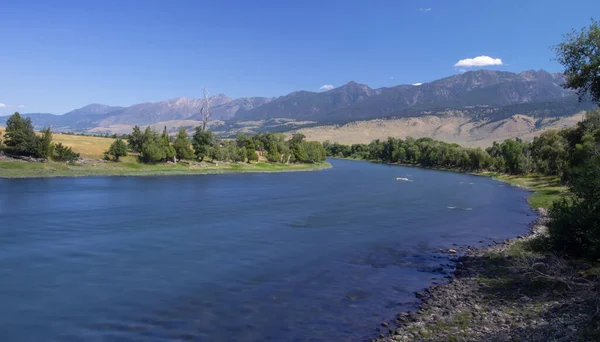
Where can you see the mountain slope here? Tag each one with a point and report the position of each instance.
(474, 88)
(302, 105)
(482, 94)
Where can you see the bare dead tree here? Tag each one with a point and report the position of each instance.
(205, 110)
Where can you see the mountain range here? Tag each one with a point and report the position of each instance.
(482, 94)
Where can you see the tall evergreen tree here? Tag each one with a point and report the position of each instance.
(182, 145)
(19, 135)
(202, 141)
(135, 140)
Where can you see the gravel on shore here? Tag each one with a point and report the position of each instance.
(506, 292)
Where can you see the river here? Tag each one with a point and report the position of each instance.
(319, 256)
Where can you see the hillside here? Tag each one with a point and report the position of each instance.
(457, 129)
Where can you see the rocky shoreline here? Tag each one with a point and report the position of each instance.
(506, 292)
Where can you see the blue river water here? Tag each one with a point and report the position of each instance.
(305, 256)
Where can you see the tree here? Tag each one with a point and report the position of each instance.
(273, 155)
(19, 135)
(251, 155)
(152, 150)
(136, 139)
(511, 151)
(549, 151)
(216, 153)
(202, 141)
(117, 149)
(43, 147)
(170, 152)
(182, 145)
(574, 225)
(579, 53)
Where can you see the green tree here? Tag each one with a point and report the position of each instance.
(19, 135)
(170, 152)
(216, 153)
(579, 53)
(182, 145)
(273, 155)
(153, 150)
(135, 140)
(117, 149)
(512, 151)
(574, 225)
(43, 147)
(549, 152)
(251, 155)
(202, 140)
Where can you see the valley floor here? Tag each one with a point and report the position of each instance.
(129, 166)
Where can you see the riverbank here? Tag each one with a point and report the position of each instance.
(507, 292)
(545, 189)
(129, 166)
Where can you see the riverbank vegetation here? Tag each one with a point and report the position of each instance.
(25, 153)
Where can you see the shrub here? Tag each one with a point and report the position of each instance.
(64, 153)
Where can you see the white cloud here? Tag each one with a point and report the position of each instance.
(478, 61)
(417, 84)
(20, 106)
(326, 87)
(425, 9)
(2, 105)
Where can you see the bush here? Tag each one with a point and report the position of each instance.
(117, 149)
(64, 153)
(574, 226)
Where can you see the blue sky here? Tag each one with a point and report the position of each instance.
(59, 55)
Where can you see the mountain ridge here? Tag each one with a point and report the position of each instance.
(488, 90)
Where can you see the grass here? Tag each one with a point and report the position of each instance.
(546, 189)
(88, 147)
(129, 166)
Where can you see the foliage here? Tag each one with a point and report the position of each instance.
(574, 226)
(19, 135)
(579, 53)
(135, 140)
(575, 220)
(182, 146)
(44, 147)
(202, 142)
(170, 152)
(152, 149)
(251, 155)
(117, 149)
(64, 153)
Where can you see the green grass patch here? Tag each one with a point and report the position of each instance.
(546, 189)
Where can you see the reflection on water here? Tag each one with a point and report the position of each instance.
(296, 256)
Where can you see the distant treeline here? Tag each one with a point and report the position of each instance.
(97, 135)
(547, 154)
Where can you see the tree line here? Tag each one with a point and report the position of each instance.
(203, 145)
